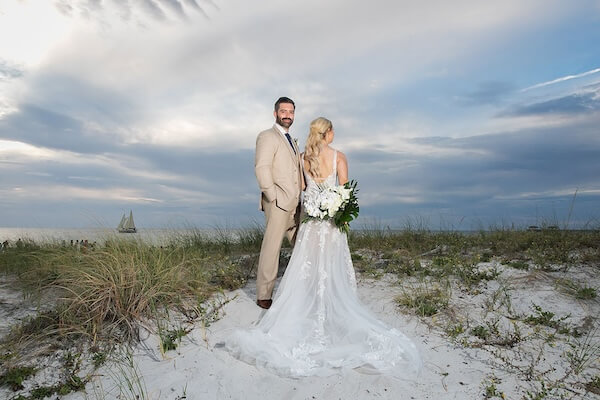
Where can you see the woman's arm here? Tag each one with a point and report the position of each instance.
(342, 168)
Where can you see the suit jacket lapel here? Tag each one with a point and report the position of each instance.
(287, 143)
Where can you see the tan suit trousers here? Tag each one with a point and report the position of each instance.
(279, 223)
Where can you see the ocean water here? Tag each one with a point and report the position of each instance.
(99, 235)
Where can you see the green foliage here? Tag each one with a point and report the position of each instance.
(425, 301)
(574, 289)
(481, 332)
(522, 265)
(170, 339)
(356, 257)
(593, 385)
(123, 282)
(541, 317)
(585, 293)
(540, 394)
(15, 377)
(583, 352)
(454, 330)
(73, 383)
(350, 210)
(46, 321)
(98, 358)
(547, 318)
(486, 256)
(491, 390)
(545, 248)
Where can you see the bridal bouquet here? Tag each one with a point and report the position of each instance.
(338, 203)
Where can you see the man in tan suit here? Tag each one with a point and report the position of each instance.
(279, 174)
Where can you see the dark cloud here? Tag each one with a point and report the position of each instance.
(572, 104)
(62, 111)
(523, 178)
(219, 166)
(41, 127)
(517, 177)
(201, 188)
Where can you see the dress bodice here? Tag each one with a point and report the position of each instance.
(312, 186)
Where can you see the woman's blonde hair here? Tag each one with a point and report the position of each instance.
(315, 142)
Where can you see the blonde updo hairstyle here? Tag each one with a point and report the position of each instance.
(315, 142)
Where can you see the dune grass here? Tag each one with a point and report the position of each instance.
(103, 295)
(123, 283)
(97, 297)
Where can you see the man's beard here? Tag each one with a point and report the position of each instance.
(285, 122)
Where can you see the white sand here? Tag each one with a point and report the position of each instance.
(202, 370)
(459, 369)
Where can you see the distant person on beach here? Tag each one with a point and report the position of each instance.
(317, 325)
(279, 175)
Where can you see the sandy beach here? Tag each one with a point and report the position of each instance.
(200, 369)
(466, 367)
(492, 328)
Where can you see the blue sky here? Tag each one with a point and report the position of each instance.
(458, 115)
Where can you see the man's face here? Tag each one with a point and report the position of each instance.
(284, 116)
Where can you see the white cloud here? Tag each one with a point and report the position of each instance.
(562, 79)
(572, 192)
(198, 83)
(52, 193)
(30, 29)
(22, 155)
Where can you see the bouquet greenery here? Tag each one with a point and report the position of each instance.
(337, 203)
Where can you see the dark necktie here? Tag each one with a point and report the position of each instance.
(289, 138)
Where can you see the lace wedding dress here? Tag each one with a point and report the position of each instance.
(317, 325)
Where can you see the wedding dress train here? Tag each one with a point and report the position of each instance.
(317, 325)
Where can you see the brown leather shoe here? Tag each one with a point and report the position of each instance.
(264, 303)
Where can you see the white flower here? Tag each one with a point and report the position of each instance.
(327, 202)
(345, 193)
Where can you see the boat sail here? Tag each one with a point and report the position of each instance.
(127, 225)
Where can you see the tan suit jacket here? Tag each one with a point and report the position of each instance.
(278, 170)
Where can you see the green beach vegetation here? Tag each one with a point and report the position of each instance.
(93, 301)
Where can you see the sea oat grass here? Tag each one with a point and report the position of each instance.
(544, 249)
(580, 292)
(126, 286)
(584, 351)
(425, 299)
(124, 283)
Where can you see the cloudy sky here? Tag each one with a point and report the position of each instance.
(456, 114)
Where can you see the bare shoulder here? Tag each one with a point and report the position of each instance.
(341, 157)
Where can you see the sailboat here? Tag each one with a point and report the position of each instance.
(127, 225)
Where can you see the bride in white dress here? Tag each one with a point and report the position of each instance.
(317, 325)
